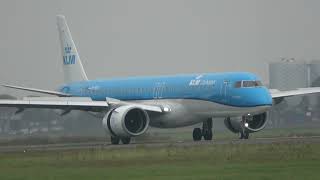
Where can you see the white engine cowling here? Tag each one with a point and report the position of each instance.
(255, 123)
(126, 121)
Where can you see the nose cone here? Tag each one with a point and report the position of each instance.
(251, 97)
(260, 97)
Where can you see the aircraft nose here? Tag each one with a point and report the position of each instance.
(268, 99)
(264, 97)
(259, 97)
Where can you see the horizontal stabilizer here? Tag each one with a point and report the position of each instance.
(56, 93)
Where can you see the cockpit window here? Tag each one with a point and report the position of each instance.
(249, 83)
(239, 84)
(258, 83)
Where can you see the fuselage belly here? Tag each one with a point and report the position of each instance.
(186, 112)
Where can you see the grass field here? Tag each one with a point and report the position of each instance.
(164, 135)
(238, 161)
(185, 134)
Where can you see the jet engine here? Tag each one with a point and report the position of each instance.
(126, 121)
(250, 124)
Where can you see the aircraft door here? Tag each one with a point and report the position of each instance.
(225, 91)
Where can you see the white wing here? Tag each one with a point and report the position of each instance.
(70, 103)
(301, 91)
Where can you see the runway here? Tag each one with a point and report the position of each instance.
(157, 144)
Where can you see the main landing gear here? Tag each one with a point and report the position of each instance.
(206, 131)
(116, 140)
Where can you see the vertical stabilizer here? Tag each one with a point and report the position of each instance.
(72, 66)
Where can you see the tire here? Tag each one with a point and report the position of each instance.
(125, 140)
(197, 135)
(115, 140)
(208, 135)
(244, 135)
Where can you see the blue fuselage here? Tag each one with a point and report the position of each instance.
(222, 88)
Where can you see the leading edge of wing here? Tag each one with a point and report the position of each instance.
(77, 103)
(301, 91)
(37, 90)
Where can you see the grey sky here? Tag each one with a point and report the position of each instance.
(146, 37)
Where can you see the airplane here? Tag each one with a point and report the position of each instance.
(128, 106)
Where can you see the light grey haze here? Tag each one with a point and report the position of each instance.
(147, 37)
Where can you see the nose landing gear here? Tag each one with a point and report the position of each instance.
(116, 140)
(244, 134)
(206, 131)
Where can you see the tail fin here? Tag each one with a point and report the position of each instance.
(72, 66)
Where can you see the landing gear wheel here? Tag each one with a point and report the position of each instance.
(197, 134)
(244, 135)
(207, 135)
(125, 140)
(115, 140)
(207, 129)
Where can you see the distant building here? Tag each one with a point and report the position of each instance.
(288, 74)
(8, 119)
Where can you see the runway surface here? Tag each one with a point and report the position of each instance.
(107, 145)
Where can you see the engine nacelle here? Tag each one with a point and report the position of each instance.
(126, 121)
(252, 124)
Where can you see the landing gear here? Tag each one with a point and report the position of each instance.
(208, 135)
(244, 135)
(197, 134)
(206, 131)
(115, 140)
(125, 140)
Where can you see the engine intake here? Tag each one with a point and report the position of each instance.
(254, 123)
(126, 121)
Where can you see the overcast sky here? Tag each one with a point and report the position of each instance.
(147, 37)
